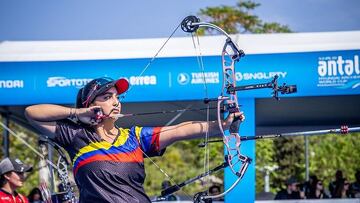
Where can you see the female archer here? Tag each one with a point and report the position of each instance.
(108, 162)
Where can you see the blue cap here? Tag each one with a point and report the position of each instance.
(98, 86)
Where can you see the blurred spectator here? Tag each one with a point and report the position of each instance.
(338, 179)
(309, 185)
(12, 177)
(317, 191)
(355, 186)
(342, 189)
(291, 191)
(172, 197)
(215, 190)
(35, 196)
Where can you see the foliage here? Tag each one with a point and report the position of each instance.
(265, 153)
(182, 161)
(18, 150)
(327, 153)
(289, 156)
(239, 19)
(334, 152)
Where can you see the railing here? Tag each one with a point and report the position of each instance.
(311, 201)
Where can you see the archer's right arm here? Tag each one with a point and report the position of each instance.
(44, 116)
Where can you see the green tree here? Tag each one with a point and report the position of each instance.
(17, 149)
(334, 152)
(290, 159)
(239, 19)
(265, 153)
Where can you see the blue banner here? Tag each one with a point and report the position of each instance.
(180, 78)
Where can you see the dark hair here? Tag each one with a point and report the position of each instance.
(357, 175)
(33, 192)
(2, 180)
(79, 103)
(214, 187)
(339, 175)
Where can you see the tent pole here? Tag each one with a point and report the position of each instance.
(6, 135)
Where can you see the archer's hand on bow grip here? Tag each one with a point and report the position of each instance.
(233, 121)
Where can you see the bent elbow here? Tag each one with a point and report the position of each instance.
(29, 113)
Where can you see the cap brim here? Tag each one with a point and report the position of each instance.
(28, 168)
(121, 85)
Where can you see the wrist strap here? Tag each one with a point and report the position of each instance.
(73, 116)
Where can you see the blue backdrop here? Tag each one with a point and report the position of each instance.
(169, 79)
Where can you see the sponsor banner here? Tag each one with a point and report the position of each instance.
(59, 81)
(314, 73)
(339, 72)
(198, 78)
(11, 84)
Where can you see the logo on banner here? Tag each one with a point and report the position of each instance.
(258, 75)
(67, 82)
(198, 78)
(183, 78)
(143, 80)
(339, 72)
(11, 84)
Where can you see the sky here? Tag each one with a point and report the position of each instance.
(116, 19)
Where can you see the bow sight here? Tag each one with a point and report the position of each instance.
(283, 89)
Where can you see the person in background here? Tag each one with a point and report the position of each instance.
(215, 190)
(11, 178)
(338, 179)
(317, 191)
(342, 189)
(291, 191)
(310, 184)
(35, 196)
(355, 186)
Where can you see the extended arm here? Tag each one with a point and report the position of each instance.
(193, 129)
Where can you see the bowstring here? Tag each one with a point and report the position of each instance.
(152, 59)
(28, 145)
(197, 47)
(123, 96)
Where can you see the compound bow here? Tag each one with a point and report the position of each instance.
(226, 102)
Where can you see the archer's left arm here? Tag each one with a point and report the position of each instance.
(194, 129)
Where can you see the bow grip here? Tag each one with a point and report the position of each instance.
(235, 125)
